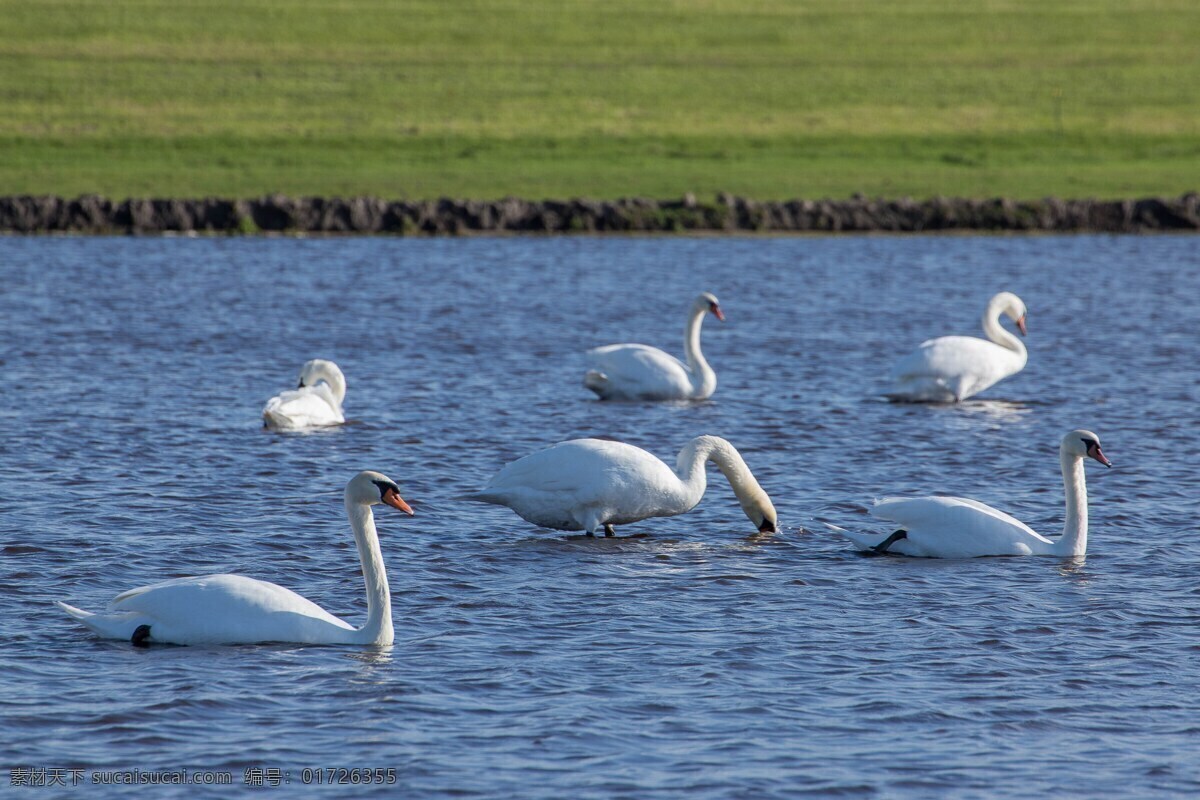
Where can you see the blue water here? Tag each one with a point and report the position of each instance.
(700, 662)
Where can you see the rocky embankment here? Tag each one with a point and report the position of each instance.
(91, 214)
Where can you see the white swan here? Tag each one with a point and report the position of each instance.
(955, 527)
(952, 368)
(232, 609)
(593, 484)
(316, 402)
(639, 372)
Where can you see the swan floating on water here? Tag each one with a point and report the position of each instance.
(594, 484)
(955, 527)
(640, 372)
(315, 402)
(232, 609)
(950, 369)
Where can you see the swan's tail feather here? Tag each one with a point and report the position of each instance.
(863, 541)
(110, 626)
(495, 498)
(597, 381)
(275, 420)
(77, 613)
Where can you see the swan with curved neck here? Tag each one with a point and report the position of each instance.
(640, 372)
(950, 369)
(315, 402)
(593, 484)
(955, 527)
(233, 609)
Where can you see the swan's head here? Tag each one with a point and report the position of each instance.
(1012, 307)
(370, 488)
(318, 370)
(765, 517)
(760, 510)
(1084, 444)
(707, 303)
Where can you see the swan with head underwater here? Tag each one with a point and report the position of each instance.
(316, 402)
(593, 484)
(233, 609)
(955, 527)
(640, 372)
(950, 369)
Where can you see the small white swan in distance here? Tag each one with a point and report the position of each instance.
(314, 403)
(950, 369)
(955, 527)
(594, 484)
(640, 372)
(232, 609)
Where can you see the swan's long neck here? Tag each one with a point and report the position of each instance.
(1075, 528)
(999, 334)
(690, 469)
(703, 378)
(337, 383)
(378, 629)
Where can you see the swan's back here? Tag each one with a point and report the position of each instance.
(225, 609)
(308, 406)
(638, 372)
(560, 486)
(580, 466)
(952, 368)
(956, 527)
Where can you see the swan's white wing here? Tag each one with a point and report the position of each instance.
(956, 527)
(217, 609)
(952, 368)
(640, 372)
(308, 406)
(578, 484)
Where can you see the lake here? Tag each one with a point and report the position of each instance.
(702, 661)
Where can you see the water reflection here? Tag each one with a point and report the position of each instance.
(370, 659)
(1073, 569)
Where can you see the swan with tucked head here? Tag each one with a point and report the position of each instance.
(315, 402)
(950, 369)
(955, 527)
(233, 609)
(640, 372)
(593, 484)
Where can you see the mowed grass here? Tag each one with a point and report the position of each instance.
(765, 98)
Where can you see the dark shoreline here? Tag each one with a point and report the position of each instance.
(91, 214)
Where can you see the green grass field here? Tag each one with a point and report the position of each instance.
(561, 98)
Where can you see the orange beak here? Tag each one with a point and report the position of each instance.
(1094, 451)
(1021, 326)
(717, 312)
(396, 501)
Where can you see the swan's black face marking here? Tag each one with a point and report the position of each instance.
(1092, 447)
(300, 385)
(141, 636)
(383, 488)
(608, 530)
(883, 546)
(768, 526)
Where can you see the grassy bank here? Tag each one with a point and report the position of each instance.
(555, 99)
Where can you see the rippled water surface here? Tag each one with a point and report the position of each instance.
(698, 662)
